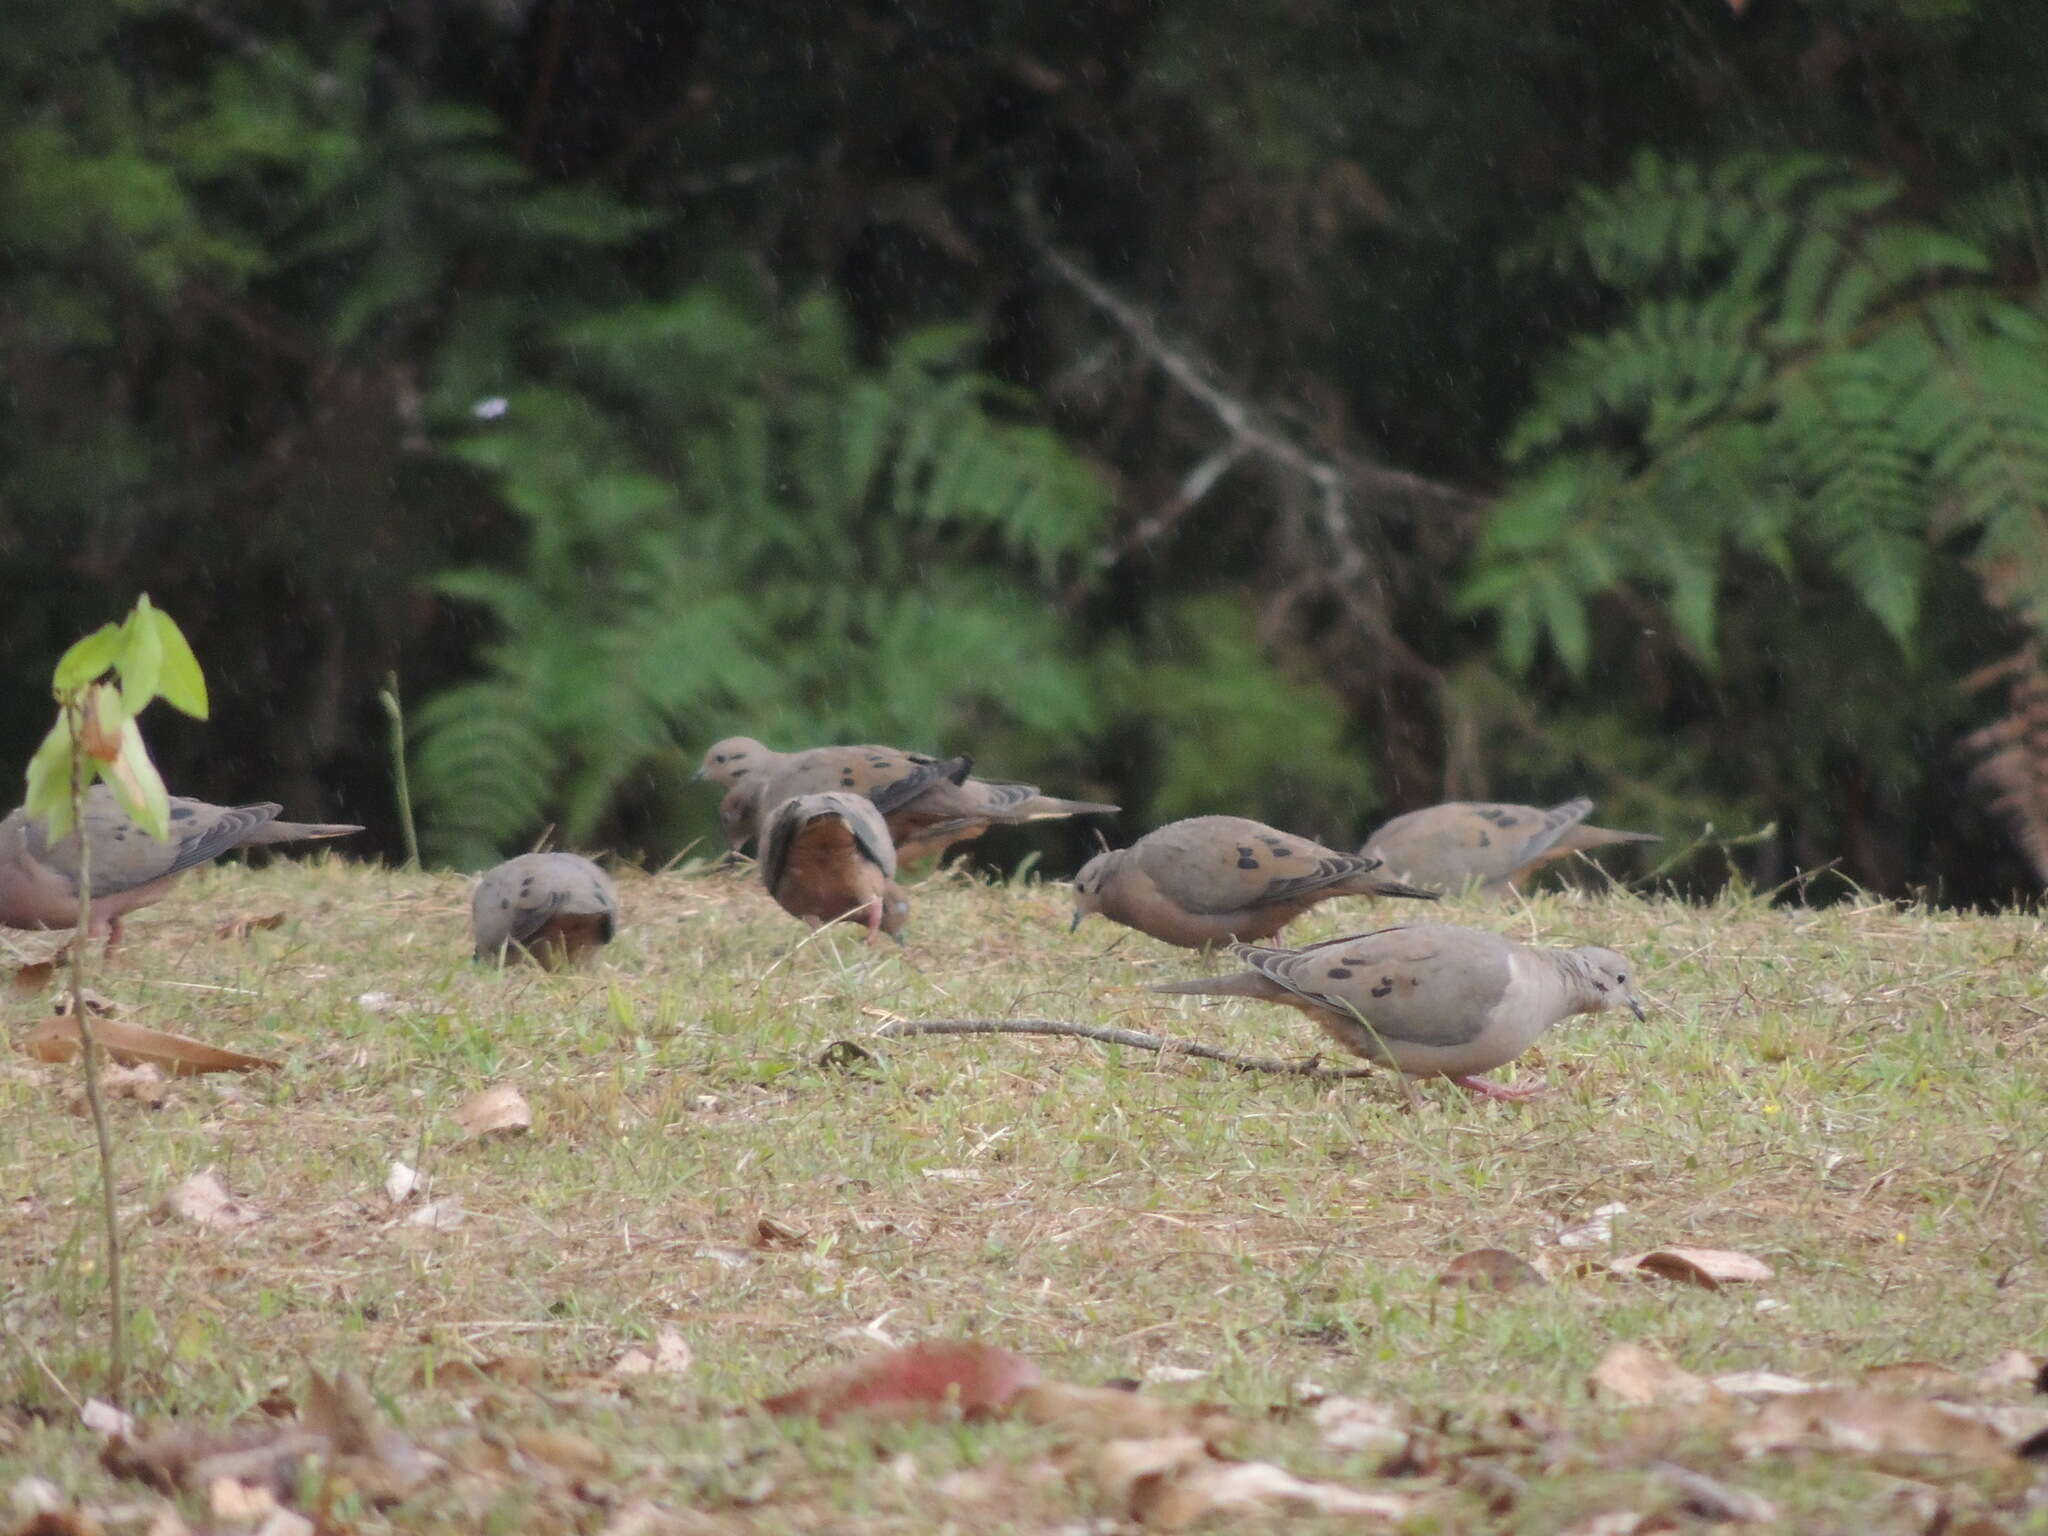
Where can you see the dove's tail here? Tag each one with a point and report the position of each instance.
(297, 831)
(1397, 888)
(1241, 984)
(1583, 837)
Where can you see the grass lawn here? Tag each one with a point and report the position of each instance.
(1854, 1095)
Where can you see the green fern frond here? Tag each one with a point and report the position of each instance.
(1800, 368)
(725, 515)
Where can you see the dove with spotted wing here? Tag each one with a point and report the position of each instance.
(1430, 999)
(558, 908)
(929, 803)
(126, 867)
(1448, 847)
(1211, 879)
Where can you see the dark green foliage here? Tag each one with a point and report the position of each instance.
(1801, 371)
(765, 290)
(731, 526)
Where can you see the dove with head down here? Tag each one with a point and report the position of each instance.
(1431, 999)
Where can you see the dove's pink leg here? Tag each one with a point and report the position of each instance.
(113, 936)
(874, 921)
(1487, 1089)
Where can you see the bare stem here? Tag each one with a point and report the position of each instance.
(901, 1029)
(89, 1059)
(389, 699)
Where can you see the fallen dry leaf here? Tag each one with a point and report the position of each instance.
(563, 1450)
(103, 1418)
(1761, 1384)
(672, 1357)
(34, 976)
(1709, 1498)
(35, 1496)
(1912, 1376)
(202, 1201)
(916, 1381)
(282, 1522)
(1109, 1413)
(247, 923)
(1631, 1374)
(1597, 1231)
(1708, 1268)
(56, 1040)
(770, 1233)
(401, 1183)
(1360, 1424)
(141, 1085)
(1170, 1483)
(383, 1462)
(443, 1215)
(499, 1111)
(230, 1499)
(1869, 1423)
(466, 1376)
(1489, 1269)
(2014, 1368)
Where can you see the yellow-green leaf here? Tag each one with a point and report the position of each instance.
(49, 779)
(138, 786)
(87, 659)
(182, 684)
(141, 661)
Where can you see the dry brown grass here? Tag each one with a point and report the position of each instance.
(1854, 1094)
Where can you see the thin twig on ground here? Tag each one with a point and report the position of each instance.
(903, 1029)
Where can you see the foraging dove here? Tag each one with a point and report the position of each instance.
(558, 907)
(827, 857)
(128, 868)
(1211, 879)
(1492, 846)
(1430, 999)
(929, 804)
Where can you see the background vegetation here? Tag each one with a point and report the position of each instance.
(1297, 407)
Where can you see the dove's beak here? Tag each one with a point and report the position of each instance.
(1635, 1006)
(697, 777)
(1076, 923)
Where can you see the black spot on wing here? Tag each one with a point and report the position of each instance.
(1385, 988)
(1338, 973)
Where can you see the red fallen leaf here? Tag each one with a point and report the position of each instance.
(917, 1381)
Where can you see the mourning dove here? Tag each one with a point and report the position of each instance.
(558, 908)
(128, 867)
(1493, 846)
(829, 856)
(1430, 999)
(1211, 879)
(928, 803)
